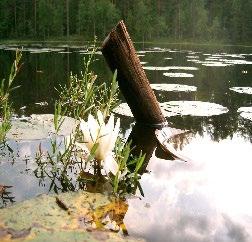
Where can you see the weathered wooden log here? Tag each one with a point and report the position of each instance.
(120, 54)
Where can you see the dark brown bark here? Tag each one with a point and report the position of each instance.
(120, 54)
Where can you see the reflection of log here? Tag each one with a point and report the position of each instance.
(120, 54)
(147, 140)
(143, 140)
(164, 135)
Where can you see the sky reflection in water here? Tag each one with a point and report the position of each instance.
(207, 199)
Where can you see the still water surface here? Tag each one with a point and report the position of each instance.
(206, 199)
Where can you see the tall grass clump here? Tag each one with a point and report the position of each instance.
(83, 95)
(6, 88)
(94, 152)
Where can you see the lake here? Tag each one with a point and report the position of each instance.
(205, 90)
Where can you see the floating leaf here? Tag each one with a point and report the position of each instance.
(244, 90)
(172, 74)
(215, 64)
(245, 112)
(174, 108)
(246, 115)
(237, 62)
(123, 109)
(245, 109)
(39, 127)
(193, 108)
(167, 68)
(173, 88)
(192, 56)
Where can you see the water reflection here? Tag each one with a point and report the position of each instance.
(207, 199)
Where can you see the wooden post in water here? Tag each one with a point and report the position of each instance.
(120, 54)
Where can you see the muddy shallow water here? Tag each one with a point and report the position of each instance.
(206, 199)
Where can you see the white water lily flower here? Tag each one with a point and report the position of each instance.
(105, 135)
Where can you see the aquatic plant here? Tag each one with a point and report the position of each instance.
(83, 95)
(101, 138)
(94, 153)
(6, 88)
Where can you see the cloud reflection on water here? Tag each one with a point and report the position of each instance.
(208, 199)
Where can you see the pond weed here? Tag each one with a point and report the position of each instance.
(6, 88)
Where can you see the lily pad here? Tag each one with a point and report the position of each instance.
(39, 127)
(193, 108)
(245, 112)
(90, 52)
(237, 62)
(174, 108)
(167, 68)
(243, 90)
(123, 109)
(215, 64)
(65, 52)
(235, 55)
(172, 74)
(246, 115)
(173, 88)
(192, 56)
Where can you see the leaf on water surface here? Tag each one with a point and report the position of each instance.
(39, 127)
(90, 52)
(65, 52)
(245, 109)
(193, 108)
(214, 64)
(192, 56)
(167, 68)
(246, 115)
(245, 112)
(175, 108)
(243, 90)
(172, 74)
(123, 109)
(173, 88)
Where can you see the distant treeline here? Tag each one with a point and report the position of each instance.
(196, 20)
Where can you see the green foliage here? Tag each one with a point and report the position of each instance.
(126, 181)
(6, 88)
(146, 19)
(83, 95)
